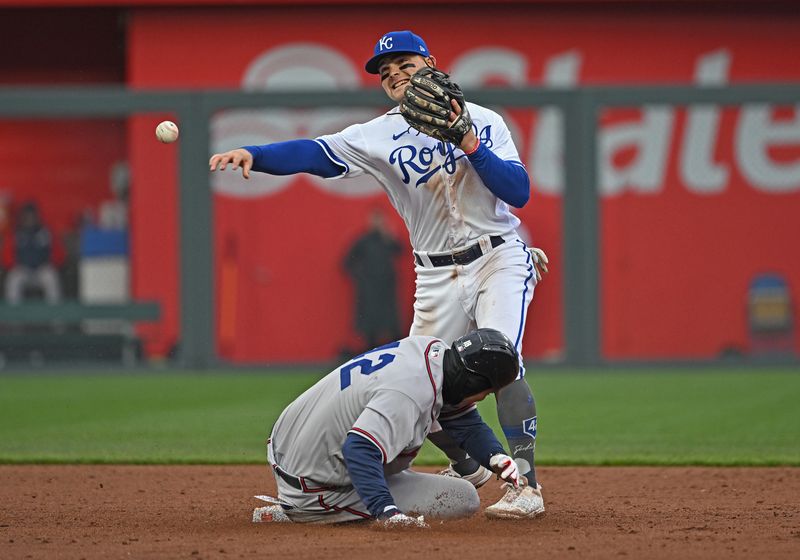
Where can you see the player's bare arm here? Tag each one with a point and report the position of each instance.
(237, 158)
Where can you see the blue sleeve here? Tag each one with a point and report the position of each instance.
(294, 156)
(365, 464)
(474, 436)
(507, 180)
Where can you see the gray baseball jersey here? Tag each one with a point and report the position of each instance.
(390, 395)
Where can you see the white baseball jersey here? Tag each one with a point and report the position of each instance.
(431, 184)
(390, 395)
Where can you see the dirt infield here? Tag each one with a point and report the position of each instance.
(205, 512)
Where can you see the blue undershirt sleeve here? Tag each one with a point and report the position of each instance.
(365, 464)
(474, 436)
(294, 156)
(508, 181)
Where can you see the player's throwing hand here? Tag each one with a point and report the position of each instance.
(238, 157)
(506, 468)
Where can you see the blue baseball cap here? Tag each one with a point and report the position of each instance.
(396, 42)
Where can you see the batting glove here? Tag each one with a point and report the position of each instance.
(506, 468)
(393, 518)
(540, 262)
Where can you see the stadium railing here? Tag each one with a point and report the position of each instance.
(41, 333)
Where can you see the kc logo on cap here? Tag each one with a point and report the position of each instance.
(385, 42)
(396, 42)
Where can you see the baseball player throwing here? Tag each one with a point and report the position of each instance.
(342, 450)
(451, 171)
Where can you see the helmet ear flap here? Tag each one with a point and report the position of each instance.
(486, 359)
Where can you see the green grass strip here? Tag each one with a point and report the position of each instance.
(661, 417)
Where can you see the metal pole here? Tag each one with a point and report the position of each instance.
(581, 232)
(197, 348)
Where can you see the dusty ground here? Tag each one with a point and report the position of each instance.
(205, 512)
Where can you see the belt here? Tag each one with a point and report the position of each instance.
(289, 479)
(465, 256)
(300, 482)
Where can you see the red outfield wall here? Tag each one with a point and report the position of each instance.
(695, 204)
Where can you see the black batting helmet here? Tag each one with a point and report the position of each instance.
(480, 360)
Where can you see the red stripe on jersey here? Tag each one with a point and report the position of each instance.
(337, 509)
(457, 412)
(430, 374)
(372, 438)
(311, 489)
(412, 453)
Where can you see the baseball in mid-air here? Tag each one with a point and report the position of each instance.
(167, 132)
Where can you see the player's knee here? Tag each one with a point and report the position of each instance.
(466, 496)
(458, 499)
(472, 502)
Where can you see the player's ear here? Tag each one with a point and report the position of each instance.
(431, 61)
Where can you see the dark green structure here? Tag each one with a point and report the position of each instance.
(579, 107)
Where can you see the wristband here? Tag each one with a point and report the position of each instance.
(475, 149)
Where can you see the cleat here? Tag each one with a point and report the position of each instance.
(266, 514)
(524, 502)
(477, 479)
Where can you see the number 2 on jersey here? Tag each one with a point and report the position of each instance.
(366, 365)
